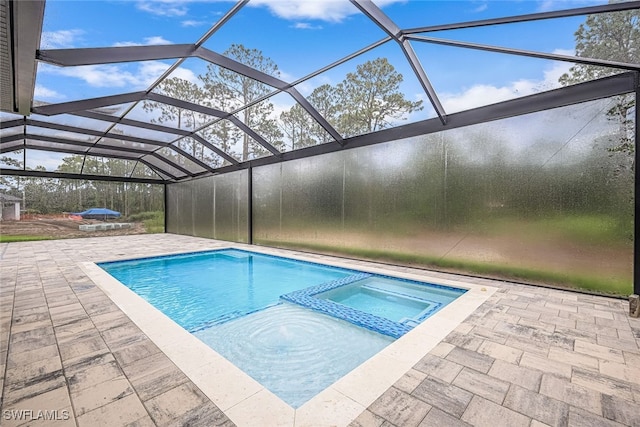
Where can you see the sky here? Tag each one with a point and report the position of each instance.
(301, 36)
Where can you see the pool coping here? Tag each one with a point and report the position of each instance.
(248, 403)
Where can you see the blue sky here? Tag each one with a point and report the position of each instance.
(301, 36)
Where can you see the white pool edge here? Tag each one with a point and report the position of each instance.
(245, 401)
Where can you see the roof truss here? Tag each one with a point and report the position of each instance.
(21, 41)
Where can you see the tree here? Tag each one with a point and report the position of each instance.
(616, 37)
(301, 129)
(610, 36)
(223, 133)
(370, 98)
(232, 91)
(181, 118)
(324, 99)
(13, 162)
(365, 101)
(296, 125)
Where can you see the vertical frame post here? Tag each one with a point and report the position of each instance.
(166, 206)
(636, 195)
(250, 205)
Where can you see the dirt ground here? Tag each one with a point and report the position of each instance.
(62, 228)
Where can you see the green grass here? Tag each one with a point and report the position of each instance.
(582, 229)
(153, 221)
(19, 238)
(597, 229)
(589, 283)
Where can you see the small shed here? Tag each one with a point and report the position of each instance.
(9, 207)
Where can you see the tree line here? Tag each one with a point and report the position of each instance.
(368, 99)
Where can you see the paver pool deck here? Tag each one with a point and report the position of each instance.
(527, 356)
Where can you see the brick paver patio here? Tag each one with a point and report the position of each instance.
(529, 356)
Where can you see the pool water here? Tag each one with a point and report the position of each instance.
(294, 326)
(400, 301)
(393, 307)
(292, 351)
(201, 289)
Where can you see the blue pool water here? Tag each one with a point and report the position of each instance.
(200, 289)
(268, 315)
(372, 301)
(399, 301)
(294, 352)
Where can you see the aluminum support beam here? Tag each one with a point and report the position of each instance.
(315, 114)
(133, 123)
(11, 147)
(159, 128)
(113, 55)
(79, 151)
(74, 57)
(88, 104)
(584, 92)
(58, 175)
(269, 80)
(250, 205)
(636, 219)
(27, 146)
(84, 144)
(530, 53)
(11, 138)
(25, 20)
(100, 134)
(213, 148)
(246, 129)
(240, 68)
(216, 113)
(611, 7)
(424, 80)
(388, 26)
(12, 123)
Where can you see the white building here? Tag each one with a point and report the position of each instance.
(9, 207)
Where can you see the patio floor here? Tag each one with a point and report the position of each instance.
(528, 356)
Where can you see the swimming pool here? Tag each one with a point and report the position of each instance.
(252, 309)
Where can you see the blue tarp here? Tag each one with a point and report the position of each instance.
(98, 213)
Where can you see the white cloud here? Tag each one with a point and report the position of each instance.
(192, 23)
(287, 77)
(43, 93)
(484, 94)
(60, 39)
(326, 10)
(148, 41)
(481, 94)
(549, 5)
(308, 86)
(306, 26)
(113, 75)
(185, 74)
(156, 40)
(126, 44)
(163, 7)
(481, 8)
(48, 159)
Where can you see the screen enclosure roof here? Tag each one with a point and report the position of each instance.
(168, 91)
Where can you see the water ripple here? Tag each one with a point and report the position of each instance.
(294, 352)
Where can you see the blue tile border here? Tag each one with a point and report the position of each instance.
(305, 298)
